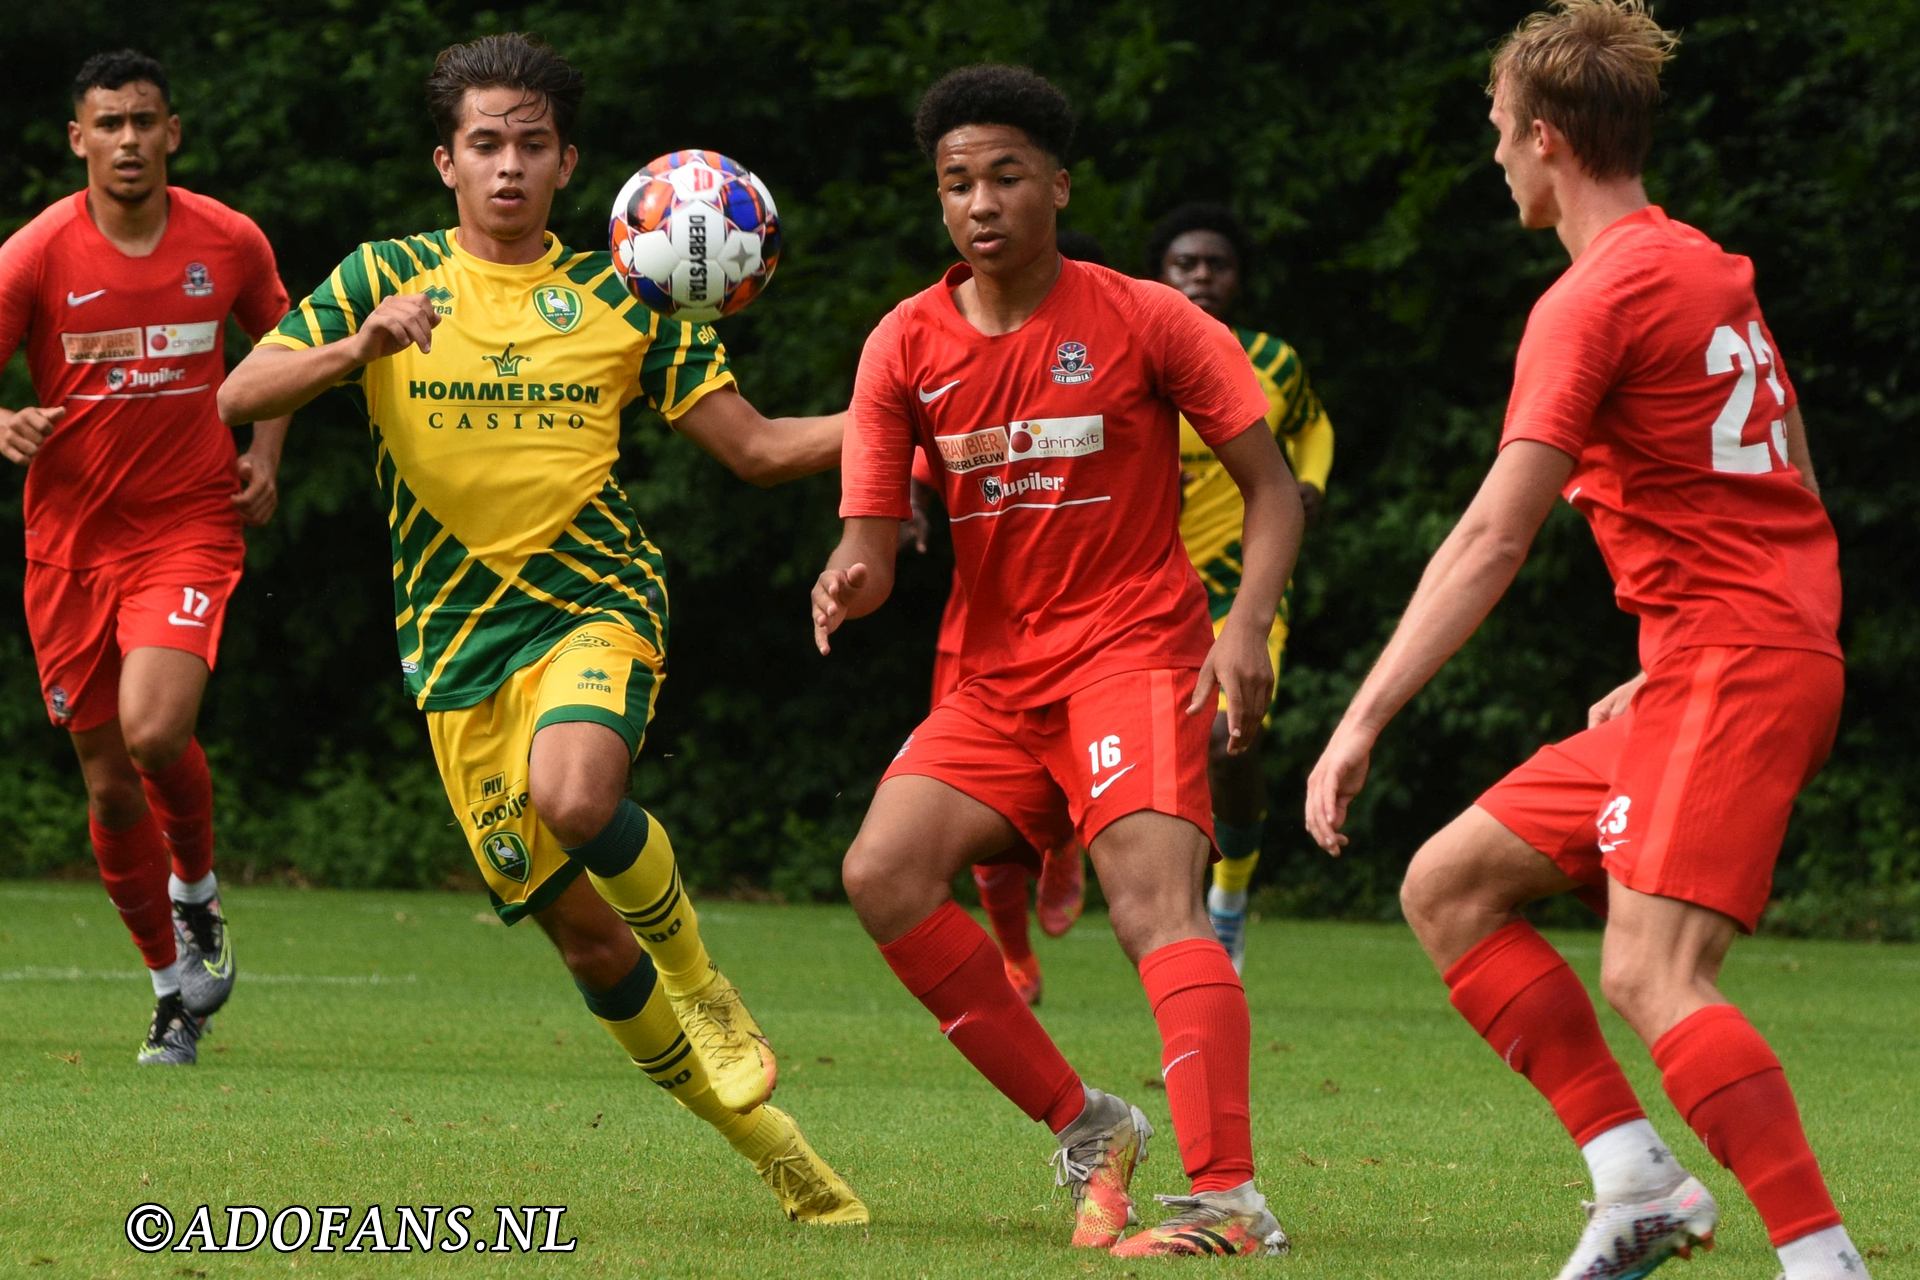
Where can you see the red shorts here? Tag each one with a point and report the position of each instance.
(83, 621)
(1687, 795)
(1118, 746)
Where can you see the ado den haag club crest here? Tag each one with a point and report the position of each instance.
(1070, 363)
(507, 854)
(558, 305)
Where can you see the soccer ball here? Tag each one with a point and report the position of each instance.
(695, 236)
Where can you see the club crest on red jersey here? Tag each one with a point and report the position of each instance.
(199, 283)
(1070, 363)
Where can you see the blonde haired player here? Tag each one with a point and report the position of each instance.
(531, 609)
(1649, 390)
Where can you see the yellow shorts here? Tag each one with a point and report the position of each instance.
(1276, 643)
(602, 673)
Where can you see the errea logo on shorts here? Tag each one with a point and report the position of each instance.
(1030, 439)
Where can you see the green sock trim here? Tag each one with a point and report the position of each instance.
(627, 997)
(1239, 842)
(618, 845)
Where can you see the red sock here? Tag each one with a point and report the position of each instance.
(133, 866)
(952, 967)
(1003, 895)
(1725, 1080)
(181, 797)
(1205, 1041)
(1519, 994)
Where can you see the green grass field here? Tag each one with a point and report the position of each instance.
(390, 1048)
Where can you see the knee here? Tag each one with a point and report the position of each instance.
(116, 803)
(599, 959)
(153, 747)
(1424, 892)
(884, 891)
(1633, 985)
(573, 811)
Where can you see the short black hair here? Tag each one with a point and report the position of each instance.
(1197, 216)
(513, 60)
(994, 93)
(118, 67)
(1081, 247)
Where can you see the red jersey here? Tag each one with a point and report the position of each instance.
(1057, 452)
(1650, 363)
(131, 349)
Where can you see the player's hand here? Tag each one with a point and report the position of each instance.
(22, 433)
(259, 494)
(1311, 500)
(402, 321)
(1237, 666)
(831, 594)
(1615, 704)
(914, 530)
(1334, 782)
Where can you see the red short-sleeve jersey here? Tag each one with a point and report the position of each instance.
(131, 348)
(1650, 363)
(1057, 455)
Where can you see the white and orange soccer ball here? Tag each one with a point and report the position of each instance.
(695, 236)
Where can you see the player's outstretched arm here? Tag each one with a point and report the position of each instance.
(1464, 580)
(273, 380)
(858, 577)
(23, 431)
(762, 451)
(1270, 541)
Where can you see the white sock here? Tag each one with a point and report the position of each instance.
(1827, 1254)
(166, 981)
(201, 890)
(1629, 1162)
(1227, 904)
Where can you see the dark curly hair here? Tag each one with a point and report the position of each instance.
(993, 93)
(1196, 217)
(121, 66)
(509, 61)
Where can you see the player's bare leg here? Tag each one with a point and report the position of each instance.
(620, 986)
(1239, 814)
(133, 869)
(160, 694)
(918, 834)
(577, 777)
(1659, 968)
(1462, 895)
(1151, 867)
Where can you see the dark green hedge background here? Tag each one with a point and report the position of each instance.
(1351, 136)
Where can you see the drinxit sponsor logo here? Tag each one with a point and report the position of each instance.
(181, 339)
(1056, 438)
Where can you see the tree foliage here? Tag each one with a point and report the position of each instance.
(1351, 137)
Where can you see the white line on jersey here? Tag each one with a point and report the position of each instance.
(1019, 506)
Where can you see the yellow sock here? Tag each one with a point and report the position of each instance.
(639, 1017)
(1239, 854)
(631, 866)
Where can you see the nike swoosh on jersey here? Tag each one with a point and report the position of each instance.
(1099, 788)
(75, 299)
(928, 397)
(179, 621)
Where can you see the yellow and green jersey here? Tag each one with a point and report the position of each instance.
(1211, 510)
(494, 451)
